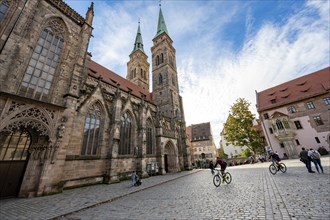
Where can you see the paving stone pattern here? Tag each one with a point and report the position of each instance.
(253, 194)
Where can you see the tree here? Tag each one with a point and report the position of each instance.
(239, 129)
(221, 153)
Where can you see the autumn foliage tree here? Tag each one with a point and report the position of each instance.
(239, 129)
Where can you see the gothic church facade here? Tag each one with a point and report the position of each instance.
(67, 121)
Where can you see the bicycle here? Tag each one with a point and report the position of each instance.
(218, 178)
(276, 166)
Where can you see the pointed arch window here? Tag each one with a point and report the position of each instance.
(14, 145)
(157, 60)
(161, 58)
(3, 9)
(160, 79)
(39, 75)
(92, 131)
(125, 134)
(149, 137)
(279, 124)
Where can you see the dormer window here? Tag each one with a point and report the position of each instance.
(305, 90)
(301, 83)
(273, 101)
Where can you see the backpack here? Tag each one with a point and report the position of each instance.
(315, 155)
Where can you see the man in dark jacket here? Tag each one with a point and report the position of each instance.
(304, 158)
(222, 163)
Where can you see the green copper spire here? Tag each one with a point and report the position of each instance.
(138, 41)
(161, 24)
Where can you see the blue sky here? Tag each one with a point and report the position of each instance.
(225, 49)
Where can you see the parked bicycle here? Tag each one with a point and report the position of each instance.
(277, 166)
(218, 178)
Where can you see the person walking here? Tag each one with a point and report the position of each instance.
(316, 158)
(304, 158)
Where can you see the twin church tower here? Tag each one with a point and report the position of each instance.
(67, 121)
(164, 74)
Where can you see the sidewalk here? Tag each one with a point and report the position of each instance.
(73, 200)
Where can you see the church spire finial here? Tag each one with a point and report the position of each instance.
(138, 45)
(90, 14)
(161, 22)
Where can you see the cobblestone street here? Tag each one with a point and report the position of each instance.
(253, 194)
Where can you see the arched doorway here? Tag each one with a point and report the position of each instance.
(170, 158)
(14, 155)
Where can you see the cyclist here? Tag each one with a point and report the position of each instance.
(223, 165)
(211, 166)
(275, 158)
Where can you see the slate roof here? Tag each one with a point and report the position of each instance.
(96, 70)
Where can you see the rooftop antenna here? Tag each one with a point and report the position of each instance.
(160, 3)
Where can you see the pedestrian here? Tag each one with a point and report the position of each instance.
(316, 158)
(211, 166)
(305, 159)
(251, 159)
(133, 178)
(137, 180)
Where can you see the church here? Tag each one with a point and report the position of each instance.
(65, 120)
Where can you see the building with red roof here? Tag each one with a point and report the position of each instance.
(295, 114)
(203, 147)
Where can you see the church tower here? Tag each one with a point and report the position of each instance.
(138, 66)
(164, 74)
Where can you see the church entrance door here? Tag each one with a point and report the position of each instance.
(14, 155)
(166, 163)
(170, 158)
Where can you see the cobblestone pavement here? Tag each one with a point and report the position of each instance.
(253, 194)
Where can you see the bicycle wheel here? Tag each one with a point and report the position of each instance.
(217, 180)
(282, 167)
(227, 178)
(272, 169)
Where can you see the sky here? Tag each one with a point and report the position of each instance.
(225, 49)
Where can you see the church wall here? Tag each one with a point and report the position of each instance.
(57, 163)
(22, 41)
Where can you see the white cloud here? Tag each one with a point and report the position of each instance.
(212, 73)
(274, 55)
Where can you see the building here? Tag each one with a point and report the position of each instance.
(295, 114)
(67, 121)
(201, 138)
(231, 150)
